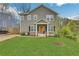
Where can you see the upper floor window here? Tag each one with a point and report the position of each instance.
(29, 17)
(32, 17)
(49, 17)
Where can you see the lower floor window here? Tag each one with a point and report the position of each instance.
(32, 28)
(51, 28)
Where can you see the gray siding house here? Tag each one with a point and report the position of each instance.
(39, 21)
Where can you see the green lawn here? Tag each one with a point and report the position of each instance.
(38, 46)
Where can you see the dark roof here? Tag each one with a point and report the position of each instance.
(44, 7)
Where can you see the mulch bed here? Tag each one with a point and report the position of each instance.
(57, 43)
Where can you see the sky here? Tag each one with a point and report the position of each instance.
(65, 10)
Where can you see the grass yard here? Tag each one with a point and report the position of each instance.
(38, 46)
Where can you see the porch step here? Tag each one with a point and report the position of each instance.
(42, 35)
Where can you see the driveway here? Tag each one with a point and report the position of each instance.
(6, 37)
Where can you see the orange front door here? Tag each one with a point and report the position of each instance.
(41, 29)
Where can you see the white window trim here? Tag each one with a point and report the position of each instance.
(49, 17)
(50, 28)
(34, 17)
(31, 17)
(28, 17)
(32, 29)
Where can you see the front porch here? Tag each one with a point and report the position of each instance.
(41, 28)
(38, 30)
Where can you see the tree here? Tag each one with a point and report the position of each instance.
(72, 25)
(24, 7)
(59, 20)
(68, 31)
(4, 6)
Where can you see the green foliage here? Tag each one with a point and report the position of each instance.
(72, 36)
(64, 31)
(72, 25)
(68, 31)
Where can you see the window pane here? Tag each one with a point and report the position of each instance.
(50, 28)
(29, 17)
(49, 17)
(32, 28)
(52, 17)
(34, 17)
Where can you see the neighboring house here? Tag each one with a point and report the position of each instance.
(39, 21)
(4, 21)
(8, 21)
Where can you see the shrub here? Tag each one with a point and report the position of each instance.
(68, 31)
(71, 37)
(23, 34)
(64, 31)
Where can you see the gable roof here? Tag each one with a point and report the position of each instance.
(44, 7)
(41, 21)
(37, 8)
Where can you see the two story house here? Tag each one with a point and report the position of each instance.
(39, 21)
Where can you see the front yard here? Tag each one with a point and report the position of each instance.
(38, 46)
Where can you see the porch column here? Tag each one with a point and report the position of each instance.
(36, 30)
(47, 29)
(21, 19)
(20, 25)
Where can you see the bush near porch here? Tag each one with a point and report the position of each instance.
(69, 31)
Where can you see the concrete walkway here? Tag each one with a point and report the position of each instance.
(6, 37)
